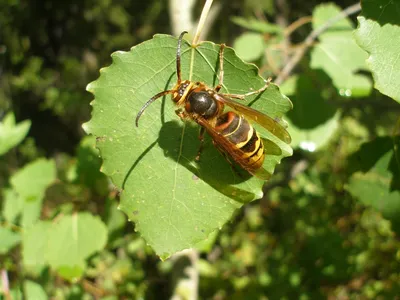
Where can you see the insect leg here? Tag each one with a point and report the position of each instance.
(221, 68)
(201, 147)
(242, 96)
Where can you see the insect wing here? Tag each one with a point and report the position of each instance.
(265, 121)
(235, 153)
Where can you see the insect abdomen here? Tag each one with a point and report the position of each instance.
(237, 130)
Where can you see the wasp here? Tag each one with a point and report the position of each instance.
(231, 132)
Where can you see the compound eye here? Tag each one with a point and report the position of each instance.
(200, 102)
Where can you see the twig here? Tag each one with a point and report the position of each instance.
(202, 21)
(296, 24)
(180, 13)
(185, 275)
(294, 60)
(282, 21)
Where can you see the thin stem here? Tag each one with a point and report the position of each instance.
(212, 16)
(295, 59)
(296, 24)
(202, 21)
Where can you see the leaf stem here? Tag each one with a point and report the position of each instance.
(203, 17)
(297, 56)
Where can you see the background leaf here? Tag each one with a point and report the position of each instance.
(31, 181)
(249, 46)
(34, 291)
(9, 239)
(313, 121)
(383, 44)
(12, 205)
(72, 240)
(11, 134)
(30, 184)
(257, 25)
(34, 244)
(375, 181)
(154, 164)
(338, 54)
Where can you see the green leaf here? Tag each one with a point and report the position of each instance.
(88, 166)
(338, 54)
(30, 184)
(376, 180)
(313, 121)
(249, 46)
(12, 205)
(154, 164)
(11, 134)
(382, 11)
(256, 25)
(34, 244)
(15, 206)
(316, 138)
(72, 240)
(34, 291)
(32, 180)
(383, 44)
(8, 240)
(114, 218)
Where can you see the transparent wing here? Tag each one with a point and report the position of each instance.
(265, 121)
(235, 153)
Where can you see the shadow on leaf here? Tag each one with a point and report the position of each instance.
(180, 143)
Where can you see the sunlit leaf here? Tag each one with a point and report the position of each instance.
(338, 54)
(31, 181)
(383, 44)
(154, 164)
(8, 239)
(256, 25)
(12, 205)
(12, 134)
(30, 184)
(34, 244)
(249, 46)
(34, 290)
(72, 240)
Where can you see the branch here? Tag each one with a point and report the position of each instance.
(185, 275)
(180, 13)
(295, 59)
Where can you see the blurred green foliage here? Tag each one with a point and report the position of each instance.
(326, 227)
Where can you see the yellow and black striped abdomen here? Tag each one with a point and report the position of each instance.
(247, 146)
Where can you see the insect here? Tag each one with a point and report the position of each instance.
(231, 132)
